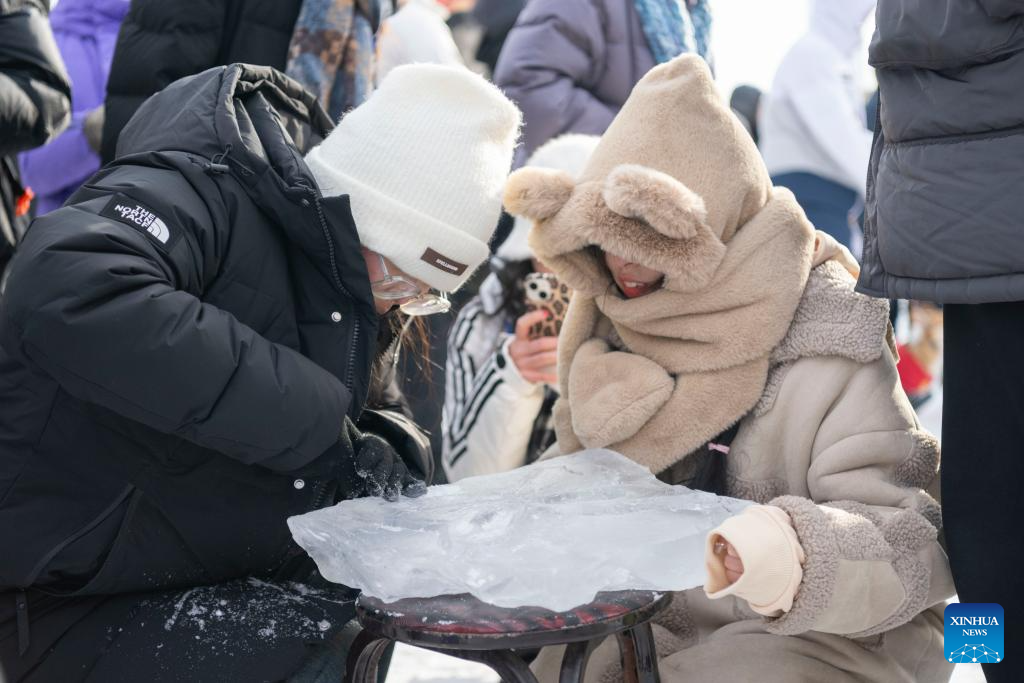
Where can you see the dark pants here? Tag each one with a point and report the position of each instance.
(826, 203)
(983, 465)
(242, 631)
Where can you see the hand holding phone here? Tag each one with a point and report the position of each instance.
(544, 292)
(536, 358)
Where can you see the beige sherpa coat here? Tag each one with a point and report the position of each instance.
(833, 442)
(757, 324)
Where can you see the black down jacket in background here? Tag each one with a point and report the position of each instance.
(35, 102)
(944, 219)
(180, 345)
(164, 40)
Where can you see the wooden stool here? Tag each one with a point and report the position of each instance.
(464, 627)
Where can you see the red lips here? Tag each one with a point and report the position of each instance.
(639, 289)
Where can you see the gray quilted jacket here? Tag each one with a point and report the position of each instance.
(945, 203)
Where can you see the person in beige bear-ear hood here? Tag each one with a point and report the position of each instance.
(716, 338)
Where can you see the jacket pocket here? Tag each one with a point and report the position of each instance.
(101, 581)
(77, 559)
(129, 548)
(147, 554)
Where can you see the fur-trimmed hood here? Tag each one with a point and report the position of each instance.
(676, 184)
(671, 182)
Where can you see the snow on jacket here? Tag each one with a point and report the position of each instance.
(85, 31)
(163, 41)
(813, 118)
(34, 103)
(179, 348)
(944, 218)
(493, 419)
(571, 64)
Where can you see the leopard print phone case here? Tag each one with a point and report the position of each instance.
(545, 292)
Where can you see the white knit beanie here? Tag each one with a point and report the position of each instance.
(568, 153)
(424, 161)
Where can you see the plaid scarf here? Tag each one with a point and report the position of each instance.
(332, 50)
(673, 27)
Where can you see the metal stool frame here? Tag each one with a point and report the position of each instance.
(497, 651)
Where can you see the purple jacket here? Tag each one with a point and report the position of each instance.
(86, 31)
(570, 65)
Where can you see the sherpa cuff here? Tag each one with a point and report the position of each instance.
(772, 557)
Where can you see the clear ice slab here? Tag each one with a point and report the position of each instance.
(550, 535)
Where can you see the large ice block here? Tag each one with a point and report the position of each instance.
(551, 535)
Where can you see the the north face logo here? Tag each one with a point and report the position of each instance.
(159, 230)
(144, 218)
(137, 215)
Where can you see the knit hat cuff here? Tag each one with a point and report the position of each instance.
(427, 249)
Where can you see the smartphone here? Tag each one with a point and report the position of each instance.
(544, 292)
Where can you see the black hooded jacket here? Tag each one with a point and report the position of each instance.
(162, 41)
(35, 103)
(180, 344)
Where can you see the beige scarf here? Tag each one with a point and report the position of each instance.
(696, 361)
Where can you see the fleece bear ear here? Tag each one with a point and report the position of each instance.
(658, 199)
(537, 193)
(670, 230)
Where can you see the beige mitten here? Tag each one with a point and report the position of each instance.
(613, 393)
(772, 558)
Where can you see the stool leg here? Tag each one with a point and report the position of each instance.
(639, 657)
(574, 661)
(360, 640)
(509, 666)
(364, 658)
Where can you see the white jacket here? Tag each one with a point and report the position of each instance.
(416, 34)
(489, 409)
(813, 119)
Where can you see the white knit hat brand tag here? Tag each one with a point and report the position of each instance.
(442, 262)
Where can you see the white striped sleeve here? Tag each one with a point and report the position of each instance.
(489, 408)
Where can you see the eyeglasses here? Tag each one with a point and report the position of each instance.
(396, 287)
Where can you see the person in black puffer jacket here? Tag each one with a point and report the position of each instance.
(35, 106)
(186, 350)
(162, 41)
(945, 223)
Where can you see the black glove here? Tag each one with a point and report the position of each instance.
(381, 470)
(412, 444)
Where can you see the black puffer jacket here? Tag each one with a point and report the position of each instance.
(35, 102)
(944, 219)
(164, 40)
(180, 345)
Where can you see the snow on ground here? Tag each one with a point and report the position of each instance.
(968, 673)
(413, 665)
